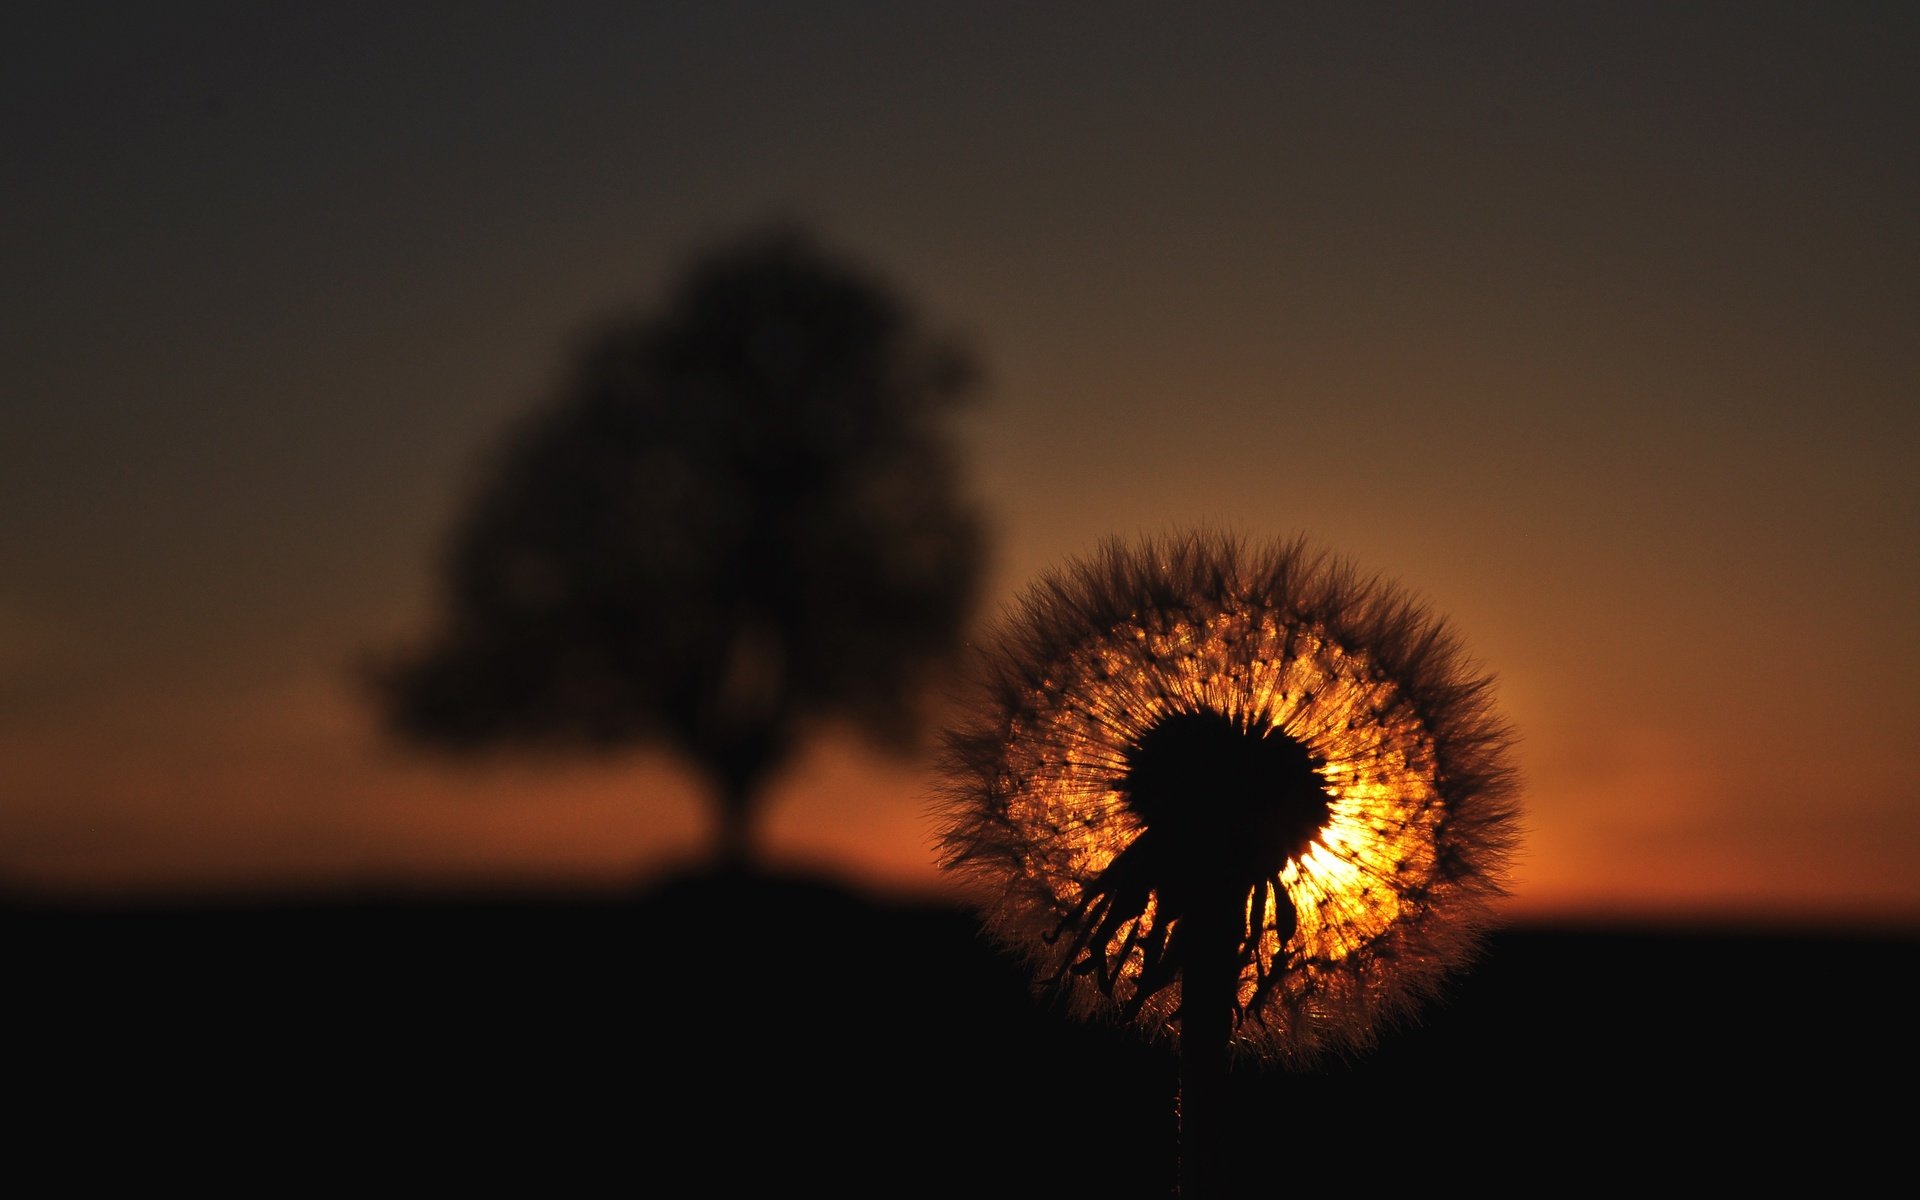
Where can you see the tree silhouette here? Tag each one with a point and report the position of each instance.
(739, 518)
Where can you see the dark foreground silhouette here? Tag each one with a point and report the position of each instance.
(762, 1035)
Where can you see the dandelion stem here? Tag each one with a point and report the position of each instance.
(1209, 977)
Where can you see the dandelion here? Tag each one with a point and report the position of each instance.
(1247, 799)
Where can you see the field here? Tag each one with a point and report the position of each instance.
(773, 1034)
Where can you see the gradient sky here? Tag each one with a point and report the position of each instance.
(1594, 325)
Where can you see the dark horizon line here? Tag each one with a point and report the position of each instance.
(533, 893)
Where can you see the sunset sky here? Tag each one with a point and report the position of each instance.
(1593, 325)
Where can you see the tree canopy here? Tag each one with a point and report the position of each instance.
(739, 516)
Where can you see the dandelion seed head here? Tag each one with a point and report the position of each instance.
(1164, 724)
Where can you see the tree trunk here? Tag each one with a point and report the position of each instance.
(733, 849)
(734, 835)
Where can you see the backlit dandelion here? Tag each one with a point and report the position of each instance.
(1245, 796)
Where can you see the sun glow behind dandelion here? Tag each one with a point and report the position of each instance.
(1166, 724)
(1365, 862)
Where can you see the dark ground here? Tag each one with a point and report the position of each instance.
(770, 1036)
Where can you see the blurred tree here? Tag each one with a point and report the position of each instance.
(739, 518)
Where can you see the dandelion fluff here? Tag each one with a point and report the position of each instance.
(1169, 727)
